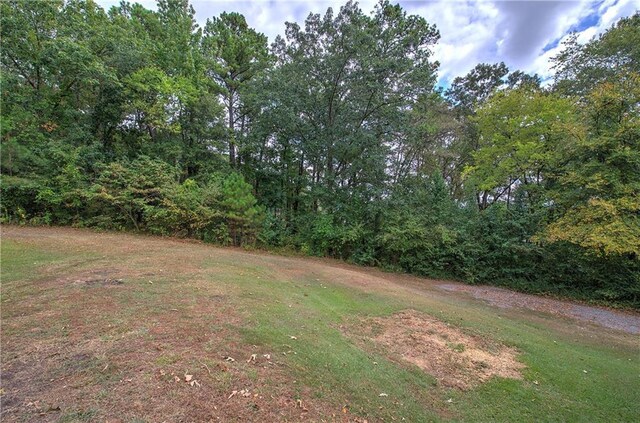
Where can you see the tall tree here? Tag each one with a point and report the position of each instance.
(235, 54)
(51, 70)
(468, 94)
(469, 91)
(580, 67)
(597, 191)
(426, 149)
(341, 93)
(519, 131)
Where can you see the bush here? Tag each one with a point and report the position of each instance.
(186, 210)
(242, 214)
(19, 199)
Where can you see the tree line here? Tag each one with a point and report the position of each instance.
(333, 140)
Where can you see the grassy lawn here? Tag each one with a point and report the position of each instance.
(109, 327)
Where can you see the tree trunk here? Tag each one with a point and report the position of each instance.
(232, 145)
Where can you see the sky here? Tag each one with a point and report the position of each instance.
(524, 34)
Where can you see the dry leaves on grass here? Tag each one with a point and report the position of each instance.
(243, 393)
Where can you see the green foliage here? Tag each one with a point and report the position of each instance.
(581, 67)
(240, 209)
(421, 232)
(473, 89)
(519, 131)
(19, 198)
(598, 187)
(188, 210)
(335, 142)
(330, 111)
(236, 54)
(127, 191)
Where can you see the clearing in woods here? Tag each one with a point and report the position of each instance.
(127, 328)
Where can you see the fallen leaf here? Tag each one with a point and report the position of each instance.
(267, 356)
(187, 378)
(176, 378)
(232, 394)
(252, 358)
(383, 395)
(230, 359)
(293, 337)
(195, 383)
(206, 367)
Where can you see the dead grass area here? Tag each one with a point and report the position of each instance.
(144, 334)
(107, 364)
(454, 358)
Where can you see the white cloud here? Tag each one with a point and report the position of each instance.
(467, 35)
(607, 13)
(472, 32)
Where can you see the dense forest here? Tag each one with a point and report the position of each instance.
(333, 140)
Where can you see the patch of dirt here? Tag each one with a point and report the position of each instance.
(102, 282)
(91, 278)
(627, 322)
(454, 358)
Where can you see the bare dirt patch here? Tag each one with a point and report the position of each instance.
(453, 357)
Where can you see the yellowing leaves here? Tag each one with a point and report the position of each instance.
(519, 131)
(607, 226)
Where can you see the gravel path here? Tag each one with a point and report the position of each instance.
(624, 321)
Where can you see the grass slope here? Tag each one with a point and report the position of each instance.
(79, 345)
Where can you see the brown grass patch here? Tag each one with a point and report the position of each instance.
(104, 338)
(454, 358)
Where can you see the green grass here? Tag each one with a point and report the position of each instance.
(77, 416)
(335, 368)
(20, 261)
(569, 376)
